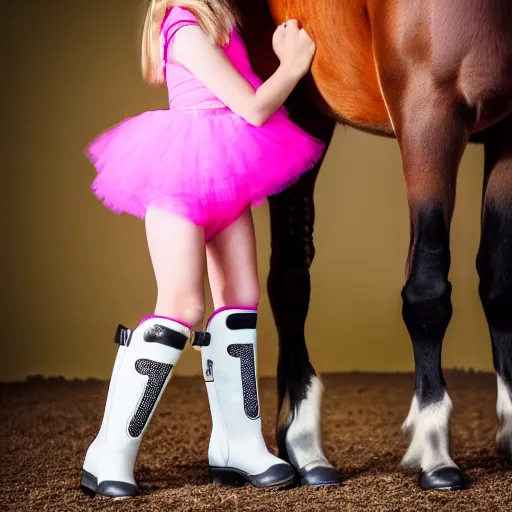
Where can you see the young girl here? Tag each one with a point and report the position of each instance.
(193, 172)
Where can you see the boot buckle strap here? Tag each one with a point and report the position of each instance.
(123, 336)
(200, 339)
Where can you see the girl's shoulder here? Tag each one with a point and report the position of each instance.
(176, 18)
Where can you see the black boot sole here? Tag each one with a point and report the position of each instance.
(89, 486)
(231, 477)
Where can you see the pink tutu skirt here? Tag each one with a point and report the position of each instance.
(200, 164)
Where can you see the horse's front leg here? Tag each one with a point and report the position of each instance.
(494, 265)
(432, 138)
(299, 388)
(298, 429)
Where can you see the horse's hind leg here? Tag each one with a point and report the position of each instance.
(432, 137)
(494, 265)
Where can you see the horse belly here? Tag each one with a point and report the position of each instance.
(343, 69)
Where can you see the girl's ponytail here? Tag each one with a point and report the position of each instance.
(214, 16)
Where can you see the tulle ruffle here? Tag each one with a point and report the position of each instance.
(198, 163)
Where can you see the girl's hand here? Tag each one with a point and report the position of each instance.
(193, 49)
(294, 48)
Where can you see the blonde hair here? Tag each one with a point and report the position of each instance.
(215, 17)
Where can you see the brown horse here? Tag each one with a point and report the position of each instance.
(435, 74)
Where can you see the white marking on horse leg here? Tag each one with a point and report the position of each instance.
(504, 410)
(412, 418)
(303, 439)
(429, 429)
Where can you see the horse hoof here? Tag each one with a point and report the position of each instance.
(444, 479)
(504, 444)
(320, 476)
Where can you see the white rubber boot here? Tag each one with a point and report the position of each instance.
(237, 451)
(142, 369)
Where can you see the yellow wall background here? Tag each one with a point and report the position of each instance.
(73, 270)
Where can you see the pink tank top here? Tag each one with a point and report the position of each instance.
(185, 90)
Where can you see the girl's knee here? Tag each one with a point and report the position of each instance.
(193, 316)
(245, 295)
(189, 311)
